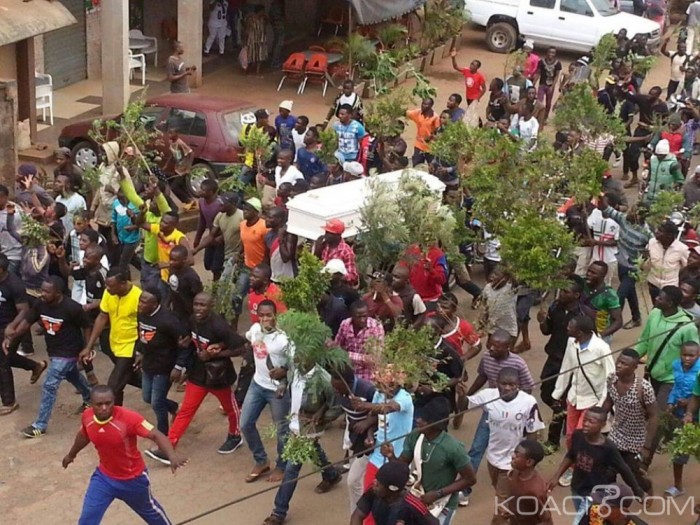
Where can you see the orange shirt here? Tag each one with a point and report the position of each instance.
(426, 127)
(253, 239)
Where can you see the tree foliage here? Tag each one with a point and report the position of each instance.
(303, 292)
(664, 204)
(395, 218)
(535, 249)
(578, 109)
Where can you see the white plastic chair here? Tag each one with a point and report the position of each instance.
(152, 48)
(44, 95)
(137, 62)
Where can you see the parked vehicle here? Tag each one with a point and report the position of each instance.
(210, 125)
(573, 25)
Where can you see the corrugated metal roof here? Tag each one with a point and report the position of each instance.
(20, 20)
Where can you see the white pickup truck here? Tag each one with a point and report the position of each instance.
(573, 25)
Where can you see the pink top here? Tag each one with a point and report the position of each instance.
(531, 63)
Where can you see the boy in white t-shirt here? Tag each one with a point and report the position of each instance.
(606, 233)
(512, 416)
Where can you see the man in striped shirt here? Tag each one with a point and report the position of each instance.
(631, 243)
(498, 356)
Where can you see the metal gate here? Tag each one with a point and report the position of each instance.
(65, 50)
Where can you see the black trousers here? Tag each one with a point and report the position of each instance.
(635, 466)
(123, 374)
(557, 426)
(7, 363)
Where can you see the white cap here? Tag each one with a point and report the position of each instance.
(287, 104)
(335, 266)
(353, 168)
(662, 147)
(697, 169)
(530, 44)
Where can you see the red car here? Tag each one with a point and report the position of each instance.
(210, 125)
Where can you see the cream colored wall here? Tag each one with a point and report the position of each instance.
(8, 64)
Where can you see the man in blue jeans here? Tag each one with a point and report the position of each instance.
(157, 350)
(272, 351)
(66, 327)
(307, 419)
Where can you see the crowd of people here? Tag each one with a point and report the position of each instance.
(66, 262)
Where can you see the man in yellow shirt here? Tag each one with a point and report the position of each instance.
(119, 307)
(168, 237)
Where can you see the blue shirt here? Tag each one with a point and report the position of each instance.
(683, 382)
(121, 220)
(309, 164)
(349, 139)
(396, 423)
(284, 127)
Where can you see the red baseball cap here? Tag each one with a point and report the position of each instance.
(335, 226)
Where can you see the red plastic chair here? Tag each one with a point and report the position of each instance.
(293, 68)
(316, 71)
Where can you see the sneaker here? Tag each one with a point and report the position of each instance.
(565, 480)
(158, 455)
(463, 499)
(25, 353)
(327, 485)
(32, 432)
(230, 445)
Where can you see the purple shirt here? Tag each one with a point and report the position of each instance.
(207, 212)
(490, 368)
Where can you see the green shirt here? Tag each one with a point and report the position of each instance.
(696, 388)
(150, 240)
(599, 306)
(654, 334)
(443, 458)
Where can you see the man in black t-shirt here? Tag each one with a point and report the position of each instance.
(157, 350)
(93, 274)
(595, 461)
(209, 371)
(13, 301)
(66, 328)
(184, 283)
(389, 503)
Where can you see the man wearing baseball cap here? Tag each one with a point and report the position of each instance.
(332, 246)
(388, 502)
(284, 124)
(610, 506)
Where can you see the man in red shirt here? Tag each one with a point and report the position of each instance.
(262, 288)
(474, 81)
(331, 245)
(121, 473)
(428, 273)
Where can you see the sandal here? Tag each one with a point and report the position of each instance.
(38, 370)
(673, 492)
(632, 323)
(256, 473)
(6, 410)
(273, 519)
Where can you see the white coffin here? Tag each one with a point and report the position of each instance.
(309, 211)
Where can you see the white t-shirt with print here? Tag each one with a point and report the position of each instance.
(291, 176)
(275, 346)
(603, 229)
(508, 423)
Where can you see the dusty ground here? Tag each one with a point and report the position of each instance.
(34, 487)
